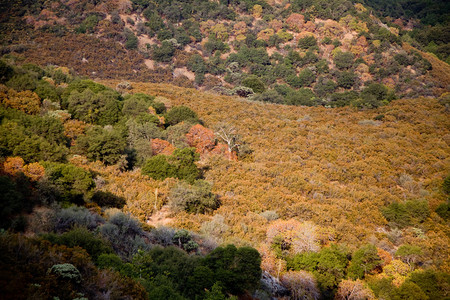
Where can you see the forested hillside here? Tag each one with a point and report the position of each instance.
(224, 150)
(330, 53)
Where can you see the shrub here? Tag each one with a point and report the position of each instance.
(83, 238)
(76, 216)
(254, 83)
(196, 198)
(364, 260)
(343, 60)
(158, 168)
(180, 113)
(307, 42)
(108, 199)
(67, 272)
(70, 183)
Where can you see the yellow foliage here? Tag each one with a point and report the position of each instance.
(265, 34)
(220, 32)
(257, 10)
(26, 101)
(332, 167)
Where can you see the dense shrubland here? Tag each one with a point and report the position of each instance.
(338, 200)
(303, 53)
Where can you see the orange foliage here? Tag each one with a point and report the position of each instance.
(385, 256)
(201, 138)
(276, 24)
(222, 150)
(295, 21)
(162, 147)
(326, 166)
(74, 128)
(34, 171)
(26, 101)
(13, 165)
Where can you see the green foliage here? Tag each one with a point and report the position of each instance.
(406, 214)
(6, 72)
(185, 241)
(179, 114)
(164, 53)
(364, 261)
(104, 144)
(66, 272)
(213, 45)
(328, 266)
(346, 79)
(196, 198)
(107, 199)
(136, 104)
(16, 197)
(433, 283)
(100, 108)
(307, 42)
(83, 238)
(343, 99)
(68, 182)
(344, 60)
(131, 40)
(238, 269)
(301, 97)
(269, 96)
(254, 83)
(158, 168)
(446, 185)
(22, 82)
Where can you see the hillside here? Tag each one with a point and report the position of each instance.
(237, 149)
(333, 54)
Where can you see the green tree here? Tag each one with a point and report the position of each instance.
(70, 183)
(158, 168)
(307, 42)
(104, 144)
(196, 198)
(254, 83)
(179, 114)
(364, 261)
(343, 60)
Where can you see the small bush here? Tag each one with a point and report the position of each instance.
(196, 198)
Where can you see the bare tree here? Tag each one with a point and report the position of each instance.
(302, 284)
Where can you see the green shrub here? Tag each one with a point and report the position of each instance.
(179, 114)
(83, 238)
(307, 42)
(158, 168)
(254, 83)
(196, 198)
(108, 199)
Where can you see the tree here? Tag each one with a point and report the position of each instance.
(353, 290)
(228, 134)
(158, 168)
(70, 183)
(180, 113)
(409, 254)
(238, 269)
(106, 145)
(254, 83)
(307, 42)
(164, 53)
(343, 60)
(346, 79)
(302, 284)
(196, 198)
(364, 261)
